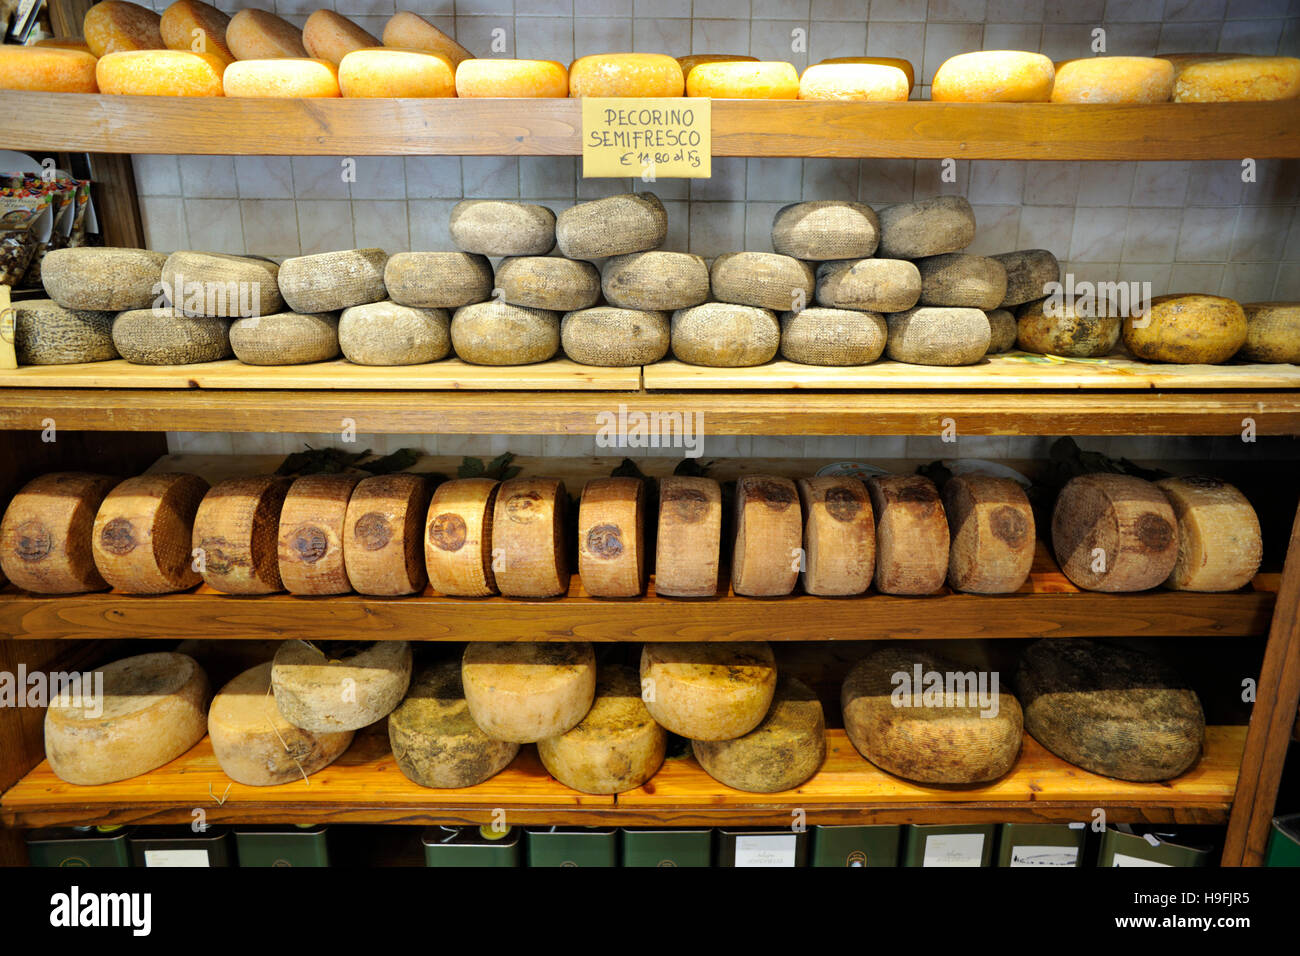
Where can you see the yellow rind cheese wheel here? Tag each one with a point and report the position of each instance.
(533, 78)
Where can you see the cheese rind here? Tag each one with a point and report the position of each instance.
(1114, 533)
(45, 333)
(1114, 79)
(292, 77)
(826, 229)
(102, 278)
(527, 691)
(725, 335)
(143, 533)
(383, 537)
(160, 73)
(897, 63)
(530, 78)
(615, 338)
(396, 74)
(762, 279)
(689, 537)
(1002, 330)
(1066, 333)
(47, 530)
(212, 283)
(322, 693)
(254, 34)
(839, 536)
(929, 335)
(46, 69)
(625, 74)
(528, 543)
(911, 534)
(740, 79)
(927, 227)
(707, 690)
(412, 32)
(115, 25)
(859, 82)
(819, 336)
(330, 281)
(691, 61)
(1227, 77)
(438, 280)
(236, 531)
(1272, 332)
(548, 282)
(286, 338)
(493, 333)
(958, 279)
(385, 333)
(1219, 544)
(656, 280)
(991, 534)
(611, 537)
(309, 544)
(613, 226)
(330, 36)
(1187, 329)
(870, 285)
(493, 227)
(150, 337)
(458, 537)
(1028, 273)
(994, 76)
(195, 26)
(767, 549)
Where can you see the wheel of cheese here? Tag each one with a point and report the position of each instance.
(991, 530)
(309, 542)
(333, 689)
(287, 338)
(723, 335)
(706, 690)
(1114, 533)
(994, 76)
(958, 279)
(1028, 273)
(47, 69)
(1002, 331)
(782, 752)
(839, 536)
(458, 538)
(1219, 546)
(1228, 77)
(438, 280)
(391, 73)
(143, 533)
(331, 36)
(255, 745)
(1114, 79)
(529, 78)
(254, 34)
(897, 63)
(957, 736)
(1187, 329)
(527, 691)
(762, 279)
(740, 79)
(102, 279)
(616, 747)
(691, 61)
(149, 337)
(938, 336)
(820, 336)
(528, 538)
(870, 285)
(411, 31)
(689, 537)
(45, 333)
(64, 43)
(928, 227)
(46, 533)
(911, 534)
(292, 77)
(826, 229)
(434, 738)
(385, 333)
(614, 338)
(330, 281)
(655, 280)
(195, 26)
(160, 73)
(1066, 332)
(613, 226)
(611, 537)
(862, 82)
(766, 555)
(151, 711)
(1109, 710)
(548, 282)
(212, 283)
(1272, 332)
(236, 532)
(493, 333)
(625, 74)
(115, 25)
(383, 535)
(494, 227)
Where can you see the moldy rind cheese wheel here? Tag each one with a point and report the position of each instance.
(46, 69)
(196, 26)
(994, 76)
(292, 77)
(236, 530)
(862, 82)
(494, 333)
(330, 281)
(819, 336)
(309, 543)
(1272, 332)
(1067, 333)
(958, 279)
(528, 538)
(740, 79)
(143, 533)
(1228, 77)
(104, 279)
(763, 280)
(927, 227)
(495, 227)
(254, 34)
(438, 280)
(412, 32)
(938, 335)
(724, 335)
(991, 528)
(458, 538)
(1114, 533)
(826, 229)
(839, 536)
(1219, 546)
(383, 534)
(45, 333)
(160, 73)
(611, 537)
(385, 333)
(326, 690)
(1114, 79)
(615, 338)
(286, 338)
(526, 691)
(766, 557)
(1002, 331)
(330, 36)
(200, 283)
(396, 74)
(116, 25)
(1028, 273)
(1187, 329)
(708, 690)
(45, 536)
(529, 78)
(689, 537)
(869, 285)
(911, 534)
(656, 280)
(613, 226)
(626, 74)
(548, 282)
(152, 337)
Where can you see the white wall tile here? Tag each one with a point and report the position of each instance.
(775, 177)
(1195, 9)
(433, 177)
(1249, 282)
(547, 176)
(1260, 234)
(956, 11)
(1074, 11)
(156, 175)
(1188, 277)
(544, 38)
(899, 10)
(658, 35)
(1188, 37)
(1014, 11)
(1105, 184)
(544, 8)
(427, 220)
(319, 177)
(214, 225)
(716, 228)
(1012, 36)
(718, 34)
(769, 40)
(1160, 183)
(830, 179)
(996, 182)
(946, 40)
(1051, 183)
(1250, 36)
(778, 9)
(270, 227)
(381, 223)
(997, 232)
(490, 177)
(602, 35)
(1155, 274)
(1046, 227)
(478, 34)
(758, 225)
(163, 218)
(720, 9)
(1132, 39)
(1205, 235)
(1152, 235)
(930, 179)
(906, 40)
(600, 188)
(379, 177)
(1133, 10)
(678, 238)
(325, 225)
(726, 183)
(1253, 9)
(208, 177)
(1095, 230)
(831, 38)
(1215, 184)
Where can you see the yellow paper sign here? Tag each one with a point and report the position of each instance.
(659, 138)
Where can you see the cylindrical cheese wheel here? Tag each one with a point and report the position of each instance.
(897, 63)
(143, 533)
(725, 335)
(383, 534)
(689, 537)
(411, 31)
(330, 281)
(47, 69)
(762, 279)
(438, 280)
(911, 534)
(1063, 327)
(1114, 79)
(993, 76)
(212, 283)
(766, 556)
(103, 279)
(691, 61)
(434, 738)
(930, 335)
(46, 533)
(493, 333)
(328, 689)
(819, 336)
(458, 537)
(613, 226)
(611, 537)
(292, 77)
(1219, 546)
(826, 229)
(495, 227)
(1187, 329)
(115, 25)
(64, 43)
(151, 711)
(626, 74)
(655, 280)
(153, 337)
(527, 691)
(739, 79)
(991, 530)
(839, 536)
(615, 338)
(783, 751)
(45, 333)
(1028, 273)
(1003, 330)
(928, 227)
(958, 279)
(330, 36)
(160, 73)
(528, 538)
(707, 690)
(385, 333)
(548, 282)
(872, 285)
(862, 82)
(195, 26)
(1228, 77)
(309, 545)
(1114, 533)
(236, 531)
(286, 338)
(254, 34)
(1272, 332)
(530, 78)
(255, 745)
(386, 72)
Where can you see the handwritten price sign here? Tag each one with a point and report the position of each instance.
(650, 138)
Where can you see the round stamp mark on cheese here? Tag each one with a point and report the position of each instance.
(118, 536)
(447, 532)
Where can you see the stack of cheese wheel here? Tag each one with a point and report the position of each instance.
(528, 691)
(330, 688)
(409, 31)
(143, 533)
(1114, 533)
(47, 532)
(195, 26)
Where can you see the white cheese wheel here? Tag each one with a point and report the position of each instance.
(196, 26)
(656, 280)
(1002, 330)
(160, 73)
(1272, 332)
(725, 335)
(143, 533)
(396, 74)
(165, 337)
(548, 282)
(819, 336)
(1232, 78)
(411, 31)
(927, 227)
(104, 279)
(839, 536)
(458, 537)
(47, 70)
(1187, 329)
(826, 229)
(932, 335)
(236, 534)
(707, 690)
(991, 530)
(742, 79)
(994, 76)
(689, 537)
(527, 691)
(762, 279)
(115, 25)
(1219, 544)
(326, 689)
(46, 533)
(872, 285)
(1028, 273)
(911, 534)
(958, 279)
(611, 537)
(524, 78)
(495, 227)
(285, 77)
(309, 545)
(438, 280)
(615, 338)
(767, 554)
(626, 74)
(383, 535)
(45, 333)
(861, 82)
(1114, 533)
(1114, 79)
(254, 34)
(494, 333)
(286, 338)
(385, 333)
(1067, 332)
(330, 36)
(212, 283)
(613, 226)
(528, 538)
(330, 281)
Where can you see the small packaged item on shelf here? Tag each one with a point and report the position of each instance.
(949, 844)
(653, 846)
(572, 846)
(473, 846)
(1128, 845)
(302, 845)
(762, 846)
(1284, 842)
(1042, 844)
(79, 846)
(855, 845)
(180, 846)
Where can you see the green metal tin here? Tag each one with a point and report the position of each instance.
(283, 846)
(1284, 842)
(941, 844)
(1123, 846)
(572, 846)
(855, 846)
(765, 846)
(181, 846)
(646, 846)
(472, 846)
(1041, 844)
(79, 846)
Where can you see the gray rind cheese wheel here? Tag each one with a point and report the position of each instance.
(929, 227)
(213, 283)
(1110, 711)
(991, 534)
(655, 280)
(494, 333)
(385, 333)
(872, 285)
(708, 690)
(548, 282)
(528, 538)
(839, 536)
(1029, 271)
(616, 747)
(1272, 332)
(253, 742)
(819, 336)
(146, 337)
(958, 279)
(458, 537)
(527, 691)
(611, 537)
(143, 533)
(1066, 333)
(1187, 329)
(613, 226)
(782, 752)
(383, 535)
(614, 338)
(937, 738)
(1114, 533)
(1002, 331)
(102, 279)
(332, 281)
(689, 537)
(309, 545)
(325, 694)
(46, 533)
(45, 333)
(724, 335)
(766, 555)
(438, 280)
(495, 227)
(911, 534)
(236, 532)
(762, 279)
(1219, 545)
(434, 738)
(826, 229)
(151, 711)
(930, 335)
(286, 338)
